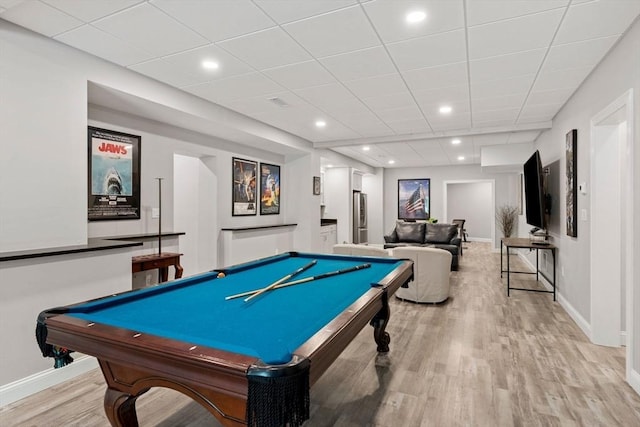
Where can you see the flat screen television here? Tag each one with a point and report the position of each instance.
(534, 194)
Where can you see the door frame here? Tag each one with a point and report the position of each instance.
(623, 107)
(445, 202)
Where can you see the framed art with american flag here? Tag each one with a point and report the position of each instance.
(414, 196)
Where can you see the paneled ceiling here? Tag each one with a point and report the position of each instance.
(504, 67)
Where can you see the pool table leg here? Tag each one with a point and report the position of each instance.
(120, 408)
(379, 323)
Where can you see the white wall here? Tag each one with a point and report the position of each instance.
(618, 72)
(373, 186)
(439, 174)
(338, 200)
(472, 202)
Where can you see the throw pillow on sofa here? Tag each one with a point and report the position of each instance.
(440, 233)
(410, 232)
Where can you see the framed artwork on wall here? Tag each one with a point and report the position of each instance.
(572, 177)
(113, 174)
(414, 197)
(316, 186)
(244, 187)
(269, 189)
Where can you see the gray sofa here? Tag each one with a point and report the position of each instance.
(441, 236)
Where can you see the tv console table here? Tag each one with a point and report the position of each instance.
(524, 243)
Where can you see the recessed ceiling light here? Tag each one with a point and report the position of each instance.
(455, 141)
(366, 148)
(415, 16)
(391, 162)
(460, 157)
(329, 166)
(321, 123)
(445, 109)
(210, 65)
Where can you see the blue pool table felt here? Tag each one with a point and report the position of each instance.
(269, 327)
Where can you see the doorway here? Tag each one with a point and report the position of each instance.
(195, 211)
(611, 254)
(479, 213)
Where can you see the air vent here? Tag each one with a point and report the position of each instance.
(279, 102)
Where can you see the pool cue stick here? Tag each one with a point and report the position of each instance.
(284, 279)
(308, 279)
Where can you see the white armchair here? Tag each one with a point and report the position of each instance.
(359, 250)
(431, 268)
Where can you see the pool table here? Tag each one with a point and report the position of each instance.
(247, 362)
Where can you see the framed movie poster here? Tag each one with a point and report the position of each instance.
(114, 175)
(244, 187)
(414, 197)
(572, 177)
(269, 189)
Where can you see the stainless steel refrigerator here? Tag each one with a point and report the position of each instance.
(360, 234)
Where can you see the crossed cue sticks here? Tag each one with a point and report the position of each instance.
(282, 283)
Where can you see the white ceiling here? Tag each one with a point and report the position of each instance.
(504, 66)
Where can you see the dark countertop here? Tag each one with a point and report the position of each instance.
(93, 244)
(328, 221)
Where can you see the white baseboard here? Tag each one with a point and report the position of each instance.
(564, 303)
(634, 380)
(478, 239)
(32, 384)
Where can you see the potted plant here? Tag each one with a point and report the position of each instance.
(507, 217)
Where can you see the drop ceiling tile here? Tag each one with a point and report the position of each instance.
(580, 54)
(534, 31)
(506, 66)
(217, 20)
(237, 87)
(266, 49)
(438, 49)
(40, 17)
(282, 12)
(140, 26)
(609, 18)
(405, 127)
(484, 11)
(397, 149)
(191, 62)
(495, 115)
(359, 64)
(166, 72)
(498, 102)
(400, 114)
(503, 87)
(330, 97)
(423, 79)
(393, 100)
(2, 9)
(461, 121)
(377, 86)
(540, 110)
(350, 30)
(561, 79)
(264, 104)
(456, 97)
(301, 75)
(88, 11)
(558, 96)
(103, 45)
(389, 18)
(365, 124)
(8, 4)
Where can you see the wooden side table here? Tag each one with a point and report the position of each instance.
(160, 261)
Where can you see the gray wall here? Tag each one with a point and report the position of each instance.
(439, 174)
(618, 72)
(471, 201)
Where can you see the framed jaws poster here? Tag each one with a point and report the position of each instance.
(114, 175)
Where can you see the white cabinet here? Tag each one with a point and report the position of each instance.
(328, 238)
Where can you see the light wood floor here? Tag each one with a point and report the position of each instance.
(480, 359)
